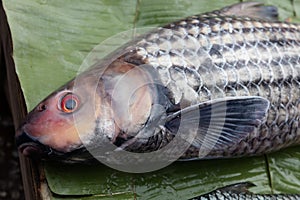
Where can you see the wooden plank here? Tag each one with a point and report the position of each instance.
(17, 103)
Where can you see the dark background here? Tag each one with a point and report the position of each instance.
(10, 176)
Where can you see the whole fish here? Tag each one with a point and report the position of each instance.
(215, 85)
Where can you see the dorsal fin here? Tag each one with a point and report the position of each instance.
(251, 9)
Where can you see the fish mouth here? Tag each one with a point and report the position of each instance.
(30, 150)
(31, 147)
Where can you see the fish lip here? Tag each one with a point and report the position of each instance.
(30, 149)
(30, 146)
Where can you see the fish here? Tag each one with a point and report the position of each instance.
(240, 191)
(221, 84)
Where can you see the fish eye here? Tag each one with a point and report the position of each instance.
(68, 103)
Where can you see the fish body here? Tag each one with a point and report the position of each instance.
(240, 191)
(219, 84)
(209, 57)
(219, 195)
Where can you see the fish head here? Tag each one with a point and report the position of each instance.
(51, 124)
(85, 110)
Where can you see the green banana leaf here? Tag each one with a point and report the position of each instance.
(51, 40)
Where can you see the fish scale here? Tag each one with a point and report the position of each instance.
(211, 56)
(221, 195)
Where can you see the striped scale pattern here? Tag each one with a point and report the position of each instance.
(212, 56)
(222, 195)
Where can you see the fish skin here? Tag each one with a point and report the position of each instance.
(199, 59)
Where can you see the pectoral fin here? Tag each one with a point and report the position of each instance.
(220, 122)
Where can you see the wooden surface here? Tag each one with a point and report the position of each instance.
(17, 104)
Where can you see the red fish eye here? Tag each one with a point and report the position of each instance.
(69, 103)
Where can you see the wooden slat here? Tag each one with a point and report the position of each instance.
(17, 104)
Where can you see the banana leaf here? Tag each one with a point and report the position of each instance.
(51, 41)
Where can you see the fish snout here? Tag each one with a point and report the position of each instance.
(32, 148)
(28, 145)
